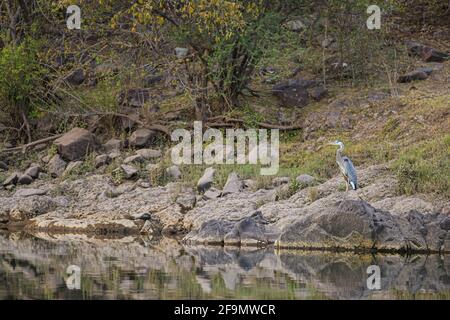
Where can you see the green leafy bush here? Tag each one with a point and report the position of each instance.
(21, 78)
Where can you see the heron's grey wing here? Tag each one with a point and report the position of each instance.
(351, 171)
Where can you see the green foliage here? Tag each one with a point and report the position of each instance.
(21, 76)
(425, 168)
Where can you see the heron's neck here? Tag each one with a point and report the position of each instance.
(339, 152)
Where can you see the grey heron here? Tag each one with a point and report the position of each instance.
(346, 166)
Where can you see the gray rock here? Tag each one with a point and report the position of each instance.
(142, 138)
(46, 159)
(134, 159)
(181, 52)
(186, 199)
(278, 181)
(428, 54)
(249, 231)
(113, 145)
(32, 206)
(24, 179)
(212, 193)
(76, 77)
(173, 173)
(149, 153)
(23, 193)
(413, 76)
(3, 166)
(129, 171)
(12, 179)
(295, 25)
(306, 180)
(233, 184)
(102, 160)
(293, 93)
(75, 144)
(33, 171)
(56, 166)
(72, 166)
(205, 182)
(114, 155)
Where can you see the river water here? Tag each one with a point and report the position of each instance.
(43, 266)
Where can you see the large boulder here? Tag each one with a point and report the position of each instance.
(75, 144)
(356, 225)
(249, 231)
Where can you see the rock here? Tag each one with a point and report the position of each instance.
(293, 93)
(72, 166)
(173, 173)
(445, 224)
(129, 171)
(113, 145)
(181, 52)
(32, 206)
(319, 93)
(75, 144)
(149, 153)
(295, 25)
(428, 54)
(33, 171)
(278, 181)
(306, 180)
(205, 182)
(329, 43)
(249, 231)
(142, 138)
(24, 179)
(412, 76)
(212, 193)
(12, 179)
(76, 77)
(46, 159)
(23, 193)
(56, 166)
(356, 225)
(3, 166)
(233, 184)
(134, 159)
(152, 80)
(186, 199)
(102, 160)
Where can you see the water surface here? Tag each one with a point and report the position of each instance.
(35, 267)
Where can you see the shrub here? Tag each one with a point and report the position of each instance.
(20, 81)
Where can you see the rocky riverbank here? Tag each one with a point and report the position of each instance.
(317, 216)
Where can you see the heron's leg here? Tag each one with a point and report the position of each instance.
(346, 187)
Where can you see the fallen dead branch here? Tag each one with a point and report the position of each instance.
(24, 147)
